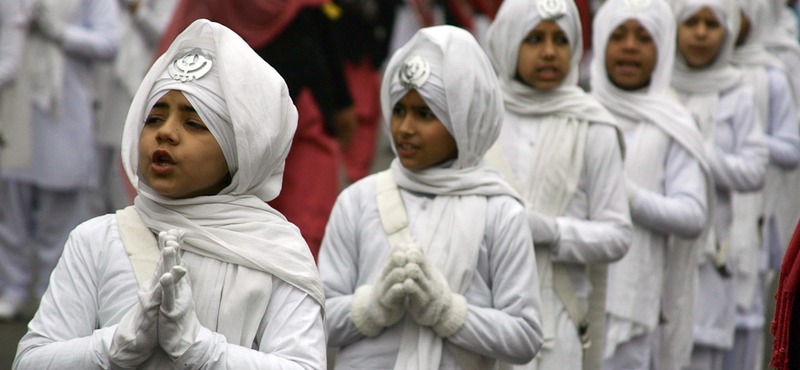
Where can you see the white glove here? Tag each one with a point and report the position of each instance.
(44, 23)
(382, 304)
(431, 302)
(544, 228)
(178, 325)
(136, 335)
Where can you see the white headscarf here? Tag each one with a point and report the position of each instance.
(462, 92)
(720, 75)
(246, 105)
(448, 68)
(514, 20)
(653, 103)
(753, 51)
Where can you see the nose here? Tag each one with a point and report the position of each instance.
(701, 30)
(168, 132)
(406, 127)
(548, 49)
(630, 44)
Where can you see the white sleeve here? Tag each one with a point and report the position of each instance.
(291, 336)
(64, 332)
(12, 34)
(99, 38)
(338, 267)
(782, 132)
(509, 330)
(605, 234)
(682, 209)
(743, 168)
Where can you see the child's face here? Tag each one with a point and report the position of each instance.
(419, 137)
(544, 56)
(700, 38)
(631, 56)
(178, 156)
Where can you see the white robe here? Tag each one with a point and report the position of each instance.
(93, 286)
(671, 201)
(503, 312)
(738, 160)
(595, 228)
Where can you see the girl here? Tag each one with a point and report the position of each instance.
(236, 287)
(755, 214)
(722, 105)
(665, 167)
(439, 229)
(573, 186)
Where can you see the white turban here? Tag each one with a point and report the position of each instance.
(514, 20)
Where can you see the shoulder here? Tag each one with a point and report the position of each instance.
(500, 208)
(602, 138)
(360, 188)
(99, 227)
(739, 94)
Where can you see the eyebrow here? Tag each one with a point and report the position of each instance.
(183, 107)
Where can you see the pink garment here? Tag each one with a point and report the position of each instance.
(257, 21)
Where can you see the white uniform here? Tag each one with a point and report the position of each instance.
(737, 160)
(93, 286)
(500, 322)
(594, 228)
(43, 203)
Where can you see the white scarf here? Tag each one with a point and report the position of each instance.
(237, 241)
(462, 91)
(651, 105)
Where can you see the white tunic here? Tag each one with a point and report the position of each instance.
(738, 160)
(596, 225)
(673, 201)
(63, 147)
(503, 312)
(93, 286)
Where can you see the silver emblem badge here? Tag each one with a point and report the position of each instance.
(414, 72)
(191, 65)
(551, 9)
(638, 4)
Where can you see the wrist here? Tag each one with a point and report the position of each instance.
(453, 317)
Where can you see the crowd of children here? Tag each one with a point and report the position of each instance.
(524, 223)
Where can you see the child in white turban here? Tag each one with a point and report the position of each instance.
(563, 150)
(667, 181)
(428, 265)
(723, 107)
(223, 280)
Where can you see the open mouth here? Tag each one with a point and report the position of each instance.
(547, 73)
(162, 161)
(405, 149)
